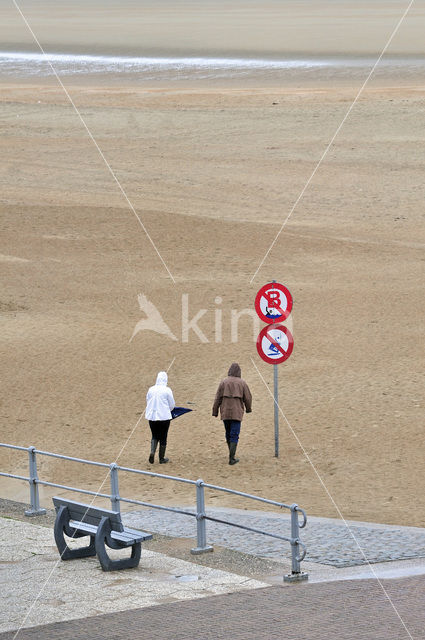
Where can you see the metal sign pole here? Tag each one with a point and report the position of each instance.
(272, 337)
(276, 403)
(276, 412)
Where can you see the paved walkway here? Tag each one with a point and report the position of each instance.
(357, 610)
(36, 587)
(168, 598)
(328, 541)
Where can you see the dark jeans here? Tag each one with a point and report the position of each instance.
(233, 428)
(159, 430)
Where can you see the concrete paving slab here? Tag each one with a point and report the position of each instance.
(38, 588)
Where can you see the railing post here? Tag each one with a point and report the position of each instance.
(35, 509)
(296, 574)
(201, 534)
(115, 492)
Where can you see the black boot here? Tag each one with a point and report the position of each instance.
(162, 448)
(232, 451)
(154, 444)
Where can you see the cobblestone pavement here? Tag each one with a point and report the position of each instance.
(354, 610)
(328, 541)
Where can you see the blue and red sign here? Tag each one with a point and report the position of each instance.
(273, 302)
(275, 343)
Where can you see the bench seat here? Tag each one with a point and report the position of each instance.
(127, 537)
(104, 527)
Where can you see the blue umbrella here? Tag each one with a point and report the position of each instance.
(179, 411)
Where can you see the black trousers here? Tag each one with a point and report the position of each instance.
(159, 430)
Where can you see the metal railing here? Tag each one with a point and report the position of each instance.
(298, 548)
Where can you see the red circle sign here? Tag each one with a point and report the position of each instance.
(273, 302)
(275, 344)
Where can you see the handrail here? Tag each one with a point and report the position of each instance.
(159, 506)
(247, 495)
(11, 475)
(200, 514)
(301, 526)
(301, 558)
(59, 455)
(14, 446)
(251, 529)
(157, 475)
(85, 491)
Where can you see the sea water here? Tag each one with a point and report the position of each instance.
(24, 64)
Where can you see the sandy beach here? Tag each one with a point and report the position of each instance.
(212, 169)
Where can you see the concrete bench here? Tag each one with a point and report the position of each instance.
(104, 527)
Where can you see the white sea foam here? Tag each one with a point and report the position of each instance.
(124, 62)
(37, 63)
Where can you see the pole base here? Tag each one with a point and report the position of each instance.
(198, 550)
(35, 512)
(295, 577)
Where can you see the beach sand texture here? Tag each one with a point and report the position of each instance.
(212, 172)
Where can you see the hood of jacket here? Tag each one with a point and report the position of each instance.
(234, 370)
(162, 379)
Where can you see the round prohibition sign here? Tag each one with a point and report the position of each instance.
(275, 343)
(273, 302)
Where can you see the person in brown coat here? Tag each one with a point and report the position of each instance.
(233, 395)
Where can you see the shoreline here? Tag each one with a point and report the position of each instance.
(201, 72)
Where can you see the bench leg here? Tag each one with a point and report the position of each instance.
(101, 540)
(61, 527)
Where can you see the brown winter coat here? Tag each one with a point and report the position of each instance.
(232, 395)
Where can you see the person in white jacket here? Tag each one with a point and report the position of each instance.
(160, 403)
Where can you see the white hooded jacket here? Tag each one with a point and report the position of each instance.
(159, 399)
